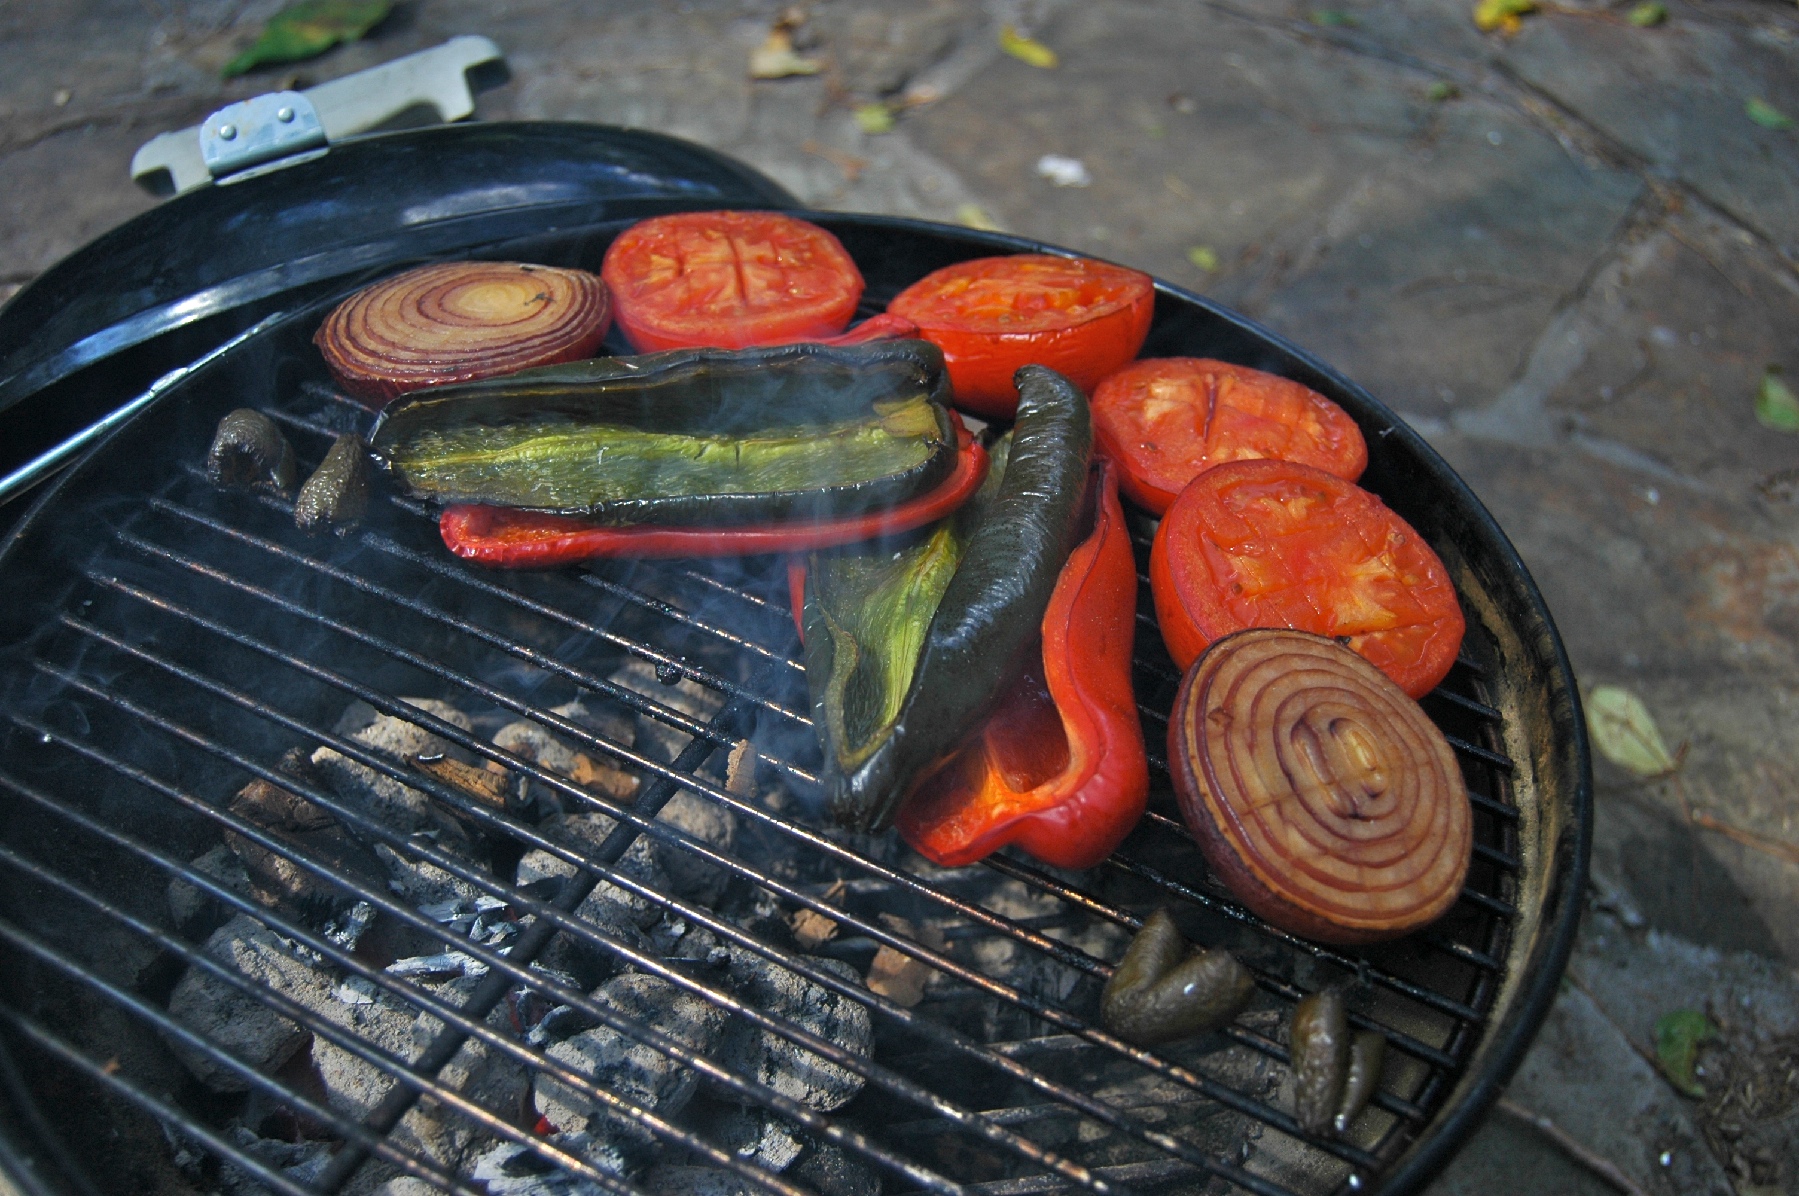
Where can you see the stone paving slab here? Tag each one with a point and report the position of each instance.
(1566, 256)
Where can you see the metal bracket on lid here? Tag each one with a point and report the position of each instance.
(258, 130)
(442, 78)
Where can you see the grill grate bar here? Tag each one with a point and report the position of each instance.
(1135, 1173)
(1204, 1085)
(1266, 980)
(161, 1110)
(1486, 756)
(875, 1074)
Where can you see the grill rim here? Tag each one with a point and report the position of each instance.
(1539, 967)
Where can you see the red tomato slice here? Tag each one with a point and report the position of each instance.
(1168, 419)
(1274, 544)
(1079, 317)
(729, 280)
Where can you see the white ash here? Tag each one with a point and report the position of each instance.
(758, 1136)
(626, 1066)
(532, 743)
(354, 1086)
(782, 1064)
(676, 938)
(195, 912)
(398, 805)
(512, 1169)
(655, 738)
(443, 966)
(831, 1171)
(242, 1022)
(299, 1161)
(422, 883)
(710, 823)
(583, 834)
(347, 929)
(609, 722)
(668, 1180)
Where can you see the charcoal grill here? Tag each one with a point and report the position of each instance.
(168, 643)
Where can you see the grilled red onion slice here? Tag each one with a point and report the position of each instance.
(1319, 792)
(459, 321)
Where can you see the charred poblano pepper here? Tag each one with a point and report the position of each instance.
(337, 494)
(248, 450)
(986, 621)
(689, 437)
(1165, 990)
(1319, 1046)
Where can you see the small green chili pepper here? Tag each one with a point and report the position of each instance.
(336, 496)
(1319, 1046)
(1366, 1054)
(248, 450)
(1164, 989)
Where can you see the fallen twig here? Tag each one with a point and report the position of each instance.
(1598, 1164)
(1736, 834)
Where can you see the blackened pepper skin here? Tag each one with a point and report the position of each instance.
(1165, 990)
(991, 611)
(249, 451)
(1319, 1045)
(337, 494)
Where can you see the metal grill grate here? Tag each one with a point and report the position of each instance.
(204, 637)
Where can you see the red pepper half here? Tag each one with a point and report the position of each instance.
(515, 539)
(1059, 768)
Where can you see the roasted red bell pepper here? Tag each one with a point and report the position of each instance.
(517, 539)
(1059, 768)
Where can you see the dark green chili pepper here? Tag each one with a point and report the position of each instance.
(867, 612)
(695, 436)
(1165, 989)
(1366, 1054)
(336, 496)
(990, 613)
(248, 450)
(1319, 1046)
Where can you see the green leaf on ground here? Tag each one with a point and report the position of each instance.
(1651, 13)
(1776, 406)
(874, 118)
(308, 29)
(1441, 90)
(1767, 115)
(1203, 256)
(1625, 733)
(1027, 49)
(1332, 17)
(972, 215)
(1501, 14)
(1677, 1039)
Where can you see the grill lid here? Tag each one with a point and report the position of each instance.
(161, 289)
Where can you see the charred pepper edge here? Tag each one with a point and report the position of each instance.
(990, 614)
(1077, 818)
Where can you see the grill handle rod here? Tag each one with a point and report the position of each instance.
(401, 1097)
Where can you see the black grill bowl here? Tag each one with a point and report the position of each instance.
(166, 643)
